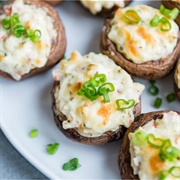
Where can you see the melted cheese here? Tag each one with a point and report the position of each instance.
(141, 42)
(96, 6)
(145, 159)
(20, 55)
(93, 118)
(177, 74)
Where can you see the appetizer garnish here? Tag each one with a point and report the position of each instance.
(151, 147)
(171, 4)
(33, 133)
(177, 79)
(94, 100)
(142, 40)
(71, 165)
(104, 7)
(28, 45)
(52, 148)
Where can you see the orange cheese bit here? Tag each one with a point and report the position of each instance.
(39, 45)
(119, 13)
(146, 36)
(77, 86)
(73, 56)
(144, 8)
(105, 111)
(129, 44)
(1, 57)
(28, 24)
(156, 163)
(38, 61)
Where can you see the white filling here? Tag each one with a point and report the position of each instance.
(177, 74)
(145, 160)
(141, 42)
(19, 55)
(93, 118)
(95, 6)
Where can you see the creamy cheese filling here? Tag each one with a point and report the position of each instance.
(142, 42)
(145, 159)
(20, 55)
(95, 6)
(93, 118)
(177, 74)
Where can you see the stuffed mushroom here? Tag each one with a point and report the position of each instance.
(151, 147)
(104, 8)
(28, 45)
(142, 41)
(177, 80)
(170, 4)
(94, 100)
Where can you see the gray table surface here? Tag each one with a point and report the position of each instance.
(13, 165)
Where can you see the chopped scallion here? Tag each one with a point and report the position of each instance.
(139, 138)
(33, 133)
(132, 16)
(153, 90)
(71, 165)
(52, 148)
(170, 97)
(157, 102)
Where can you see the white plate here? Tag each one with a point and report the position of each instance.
(27, 105)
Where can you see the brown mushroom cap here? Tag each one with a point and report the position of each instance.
(106, 12)
(72, 134)
(124, 159)
(58, 45)
(53, 2)
(170, 5)
(148, 70)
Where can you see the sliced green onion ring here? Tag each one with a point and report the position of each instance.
(36, 36)
(174, 13)
(132, 16)
(170, 97)
(71, 165)
(14, 19)
(123, 104)
(157, 102)
(19, 30)
(175, 171)
(154, 22)
(105, 89)
(52, 148)
(33, 133)
(165, 24)
(139, 138)
(163, 174)
(153, 141)
(6, 23)
(153, 90)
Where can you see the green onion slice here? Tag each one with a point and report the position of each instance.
(164, 11)
(170, 97)
(153, 141)
(168, 152)
(153, 90)
(173, 14)
(105, 89)
(175, 171)
(98, 79)
(36, 36)
(123, 104)
(154, 22)
(6, 23)
(139, 138)
(33, 133)
(157, 102)
(19, 30)
(71, 165)
(14, 19)
(163, 174)
(165, 24)
(52, 148)
(132, 16)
